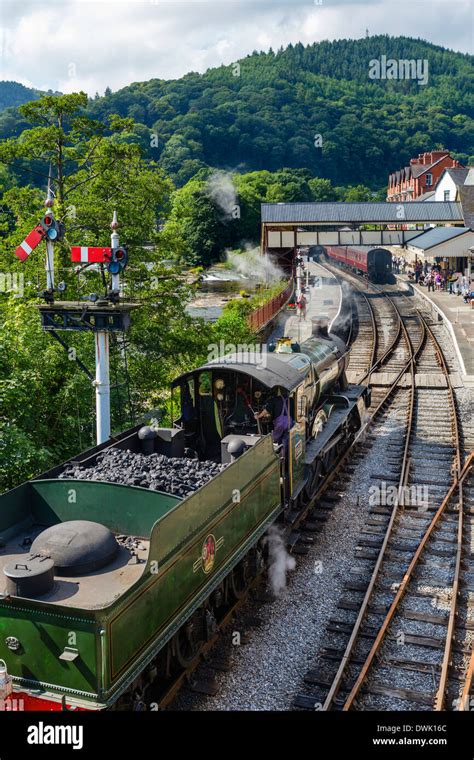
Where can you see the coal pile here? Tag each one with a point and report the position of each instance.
(177, 476)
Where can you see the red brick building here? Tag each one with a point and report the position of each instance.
(421, 177)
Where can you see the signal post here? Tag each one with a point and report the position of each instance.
(100, 315)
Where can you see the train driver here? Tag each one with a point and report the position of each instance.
(279, 409)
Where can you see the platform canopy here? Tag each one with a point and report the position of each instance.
(328, 213)
(289, 225)
(444, 242)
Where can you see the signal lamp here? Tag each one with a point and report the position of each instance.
(118, 260)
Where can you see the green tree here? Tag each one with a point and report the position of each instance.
(64, 137)
(322, 190)
(46, 402)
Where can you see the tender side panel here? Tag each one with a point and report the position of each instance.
(14, 509)
(41, 636)
(185, 570)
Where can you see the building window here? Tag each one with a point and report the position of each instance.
(446, 195)
(429, 180)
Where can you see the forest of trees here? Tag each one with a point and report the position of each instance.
(267, 110)
(13, 94)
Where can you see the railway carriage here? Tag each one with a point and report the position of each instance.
(108, 589)
(374, 263)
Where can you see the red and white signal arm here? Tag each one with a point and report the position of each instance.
(30, 242)
(87, 255)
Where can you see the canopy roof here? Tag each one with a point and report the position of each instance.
(361, 213)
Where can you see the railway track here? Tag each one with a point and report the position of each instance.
(411, 419)
(406, 614)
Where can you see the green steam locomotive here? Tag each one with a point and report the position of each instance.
(112, 581)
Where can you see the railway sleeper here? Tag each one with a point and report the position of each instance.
(409, 695)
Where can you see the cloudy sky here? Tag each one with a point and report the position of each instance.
(68, 45)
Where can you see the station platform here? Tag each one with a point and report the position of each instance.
(459, 320)
(323, 299)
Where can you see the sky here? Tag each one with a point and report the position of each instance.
(71, 45)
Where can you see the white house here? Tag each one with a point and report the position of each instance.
(449, 183)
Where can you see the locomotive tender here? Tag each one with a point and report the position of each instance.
(107, 588)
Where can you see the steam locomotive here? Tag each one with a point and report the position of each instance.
(113, 576)
(375, 263)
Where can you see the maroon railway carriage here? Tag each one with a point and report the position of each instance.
(375, 263)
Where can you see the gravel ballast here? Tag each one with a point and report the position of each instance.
(266, 672)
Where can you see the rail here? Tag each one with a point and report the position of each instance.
(459, 475)
(345, 660)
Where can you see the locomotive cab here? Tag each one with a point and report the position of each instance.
(222, 402)
(228, 405)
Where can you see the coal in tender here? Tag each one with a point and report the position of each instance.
(176, 476)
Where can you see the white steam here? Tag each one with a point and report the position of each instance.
(344, 320)
(252, 264)
(220, 188)
(280, 562)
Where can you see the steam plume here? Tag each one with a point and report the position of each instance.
(253, 265)
(222, 191)
(280, 562)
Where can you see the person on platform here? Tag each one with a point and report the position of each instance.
(301, 303)
(452, 282)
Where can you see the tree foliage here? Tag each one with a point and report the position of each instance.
(271, 114)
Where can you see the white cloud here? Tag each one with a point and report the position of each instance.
(82, 44)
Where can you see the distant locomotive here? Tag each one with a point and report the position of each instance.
(113, 574)
(375, 263)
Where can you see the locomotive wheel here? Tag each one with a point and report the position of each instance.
(240, 578)
(313, 481)
(188, 643)
(329, 459)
